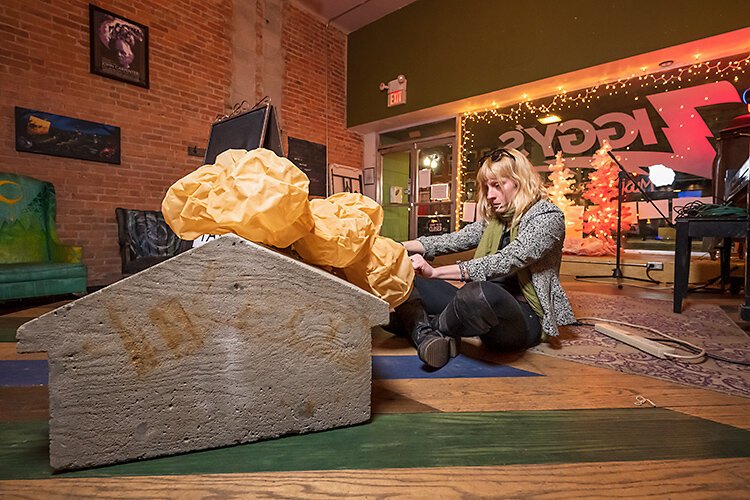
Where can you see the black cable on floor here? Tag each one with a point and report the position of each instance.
(707, 354)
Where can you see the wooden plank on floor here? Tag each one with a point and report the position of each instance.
(737, 415)
(712, 478)
(566, 385)
(425, 440)
(9, 325)
(8, 351)
(386, 401)
(36, 311)
(18, 404)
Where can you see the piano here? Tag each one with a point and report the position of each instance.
(731, 177)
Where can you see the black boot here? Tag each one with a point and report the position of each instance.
(469, 314)
(433, 348)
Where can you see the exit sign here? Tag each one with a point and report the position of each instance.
(397, 91)
(396, 97)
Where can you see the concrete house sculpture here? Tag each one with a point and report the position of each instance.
(228, 343)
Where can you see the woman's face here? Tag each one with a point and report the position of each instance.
(500, 192)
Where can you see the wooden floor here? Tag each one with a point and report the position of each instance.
(549, 461)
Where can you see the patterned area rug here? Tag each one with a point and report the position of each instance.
(706, 326)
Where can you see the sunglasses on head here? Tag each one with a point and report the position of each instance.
(496, 155)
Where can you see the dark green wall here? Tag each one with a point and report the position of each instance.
(453, 49)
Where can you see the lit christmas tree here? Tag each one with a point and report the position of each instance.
(600, 220)
(562, 179)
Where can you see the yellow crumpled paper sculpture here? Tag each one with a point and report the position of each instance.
(339, 237)
(264, 198)
(385, 271)
(254, 194)
(363, 203)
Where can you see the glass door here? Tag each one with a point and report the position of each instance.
(417, 189)
(396, 178)
(434, 200)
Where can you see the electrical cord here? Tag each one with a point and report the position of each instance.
(708, 354)
(699, 209)
(698, 353)
(711, 281)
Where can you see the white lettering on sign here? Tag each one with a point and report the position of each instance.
(578, 136)
(570, 143)
(687, 133)
(396, 97)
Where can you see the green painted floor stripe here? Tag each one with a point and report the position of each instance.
(425, 440)
(8, 327)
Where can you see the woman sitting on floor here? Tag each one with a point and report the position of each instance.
(512, 298)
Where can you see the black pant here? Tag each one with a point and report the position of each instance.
(481, 308)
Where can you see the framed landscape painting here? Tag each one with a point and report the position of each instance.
(57, 135)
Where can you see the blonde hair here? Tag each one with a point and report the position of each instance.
(510, 164)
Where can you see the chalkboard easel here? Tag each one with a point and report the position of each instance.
(257, 128)
(310, 157)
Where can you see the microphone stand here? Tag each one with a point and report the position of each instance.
(617, 271)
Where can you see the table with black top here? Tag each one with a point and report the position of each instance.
(728, 228)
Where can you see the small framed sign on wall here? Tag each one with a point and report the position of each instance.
(345, 179)
(118, 47)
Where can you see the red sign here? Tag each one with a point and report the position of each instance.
(396, 97)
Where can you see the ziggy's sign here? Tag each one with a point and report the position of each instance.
(675, 128)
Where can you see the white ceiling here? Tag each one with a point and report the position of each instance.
(350, 15)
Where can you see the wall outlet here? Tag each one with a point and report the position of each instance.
(655, 266)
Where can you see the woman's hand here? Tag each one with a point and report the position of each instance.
(425, 269)
(422, 267)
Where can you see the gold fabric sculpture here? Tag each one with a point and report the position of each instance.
(339, 236)
(254, 194)
(264, 198)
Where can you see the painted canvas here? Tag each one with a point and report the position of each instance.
(56, 135)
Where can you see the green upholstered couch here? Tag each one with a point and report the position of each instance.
(33, 262)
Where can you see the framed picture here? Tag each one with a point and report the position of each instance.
(118, 47)
(440, 192)
(345, 179)
(56, 135)
(369, 176)
(346, 184)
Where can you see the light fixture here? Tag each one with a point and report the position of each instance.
(400, 80)
(431, 161)
(666, 64)
(546, 120)
(661, 175)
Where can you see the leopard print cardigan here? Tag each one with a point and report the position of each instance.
(538, 247)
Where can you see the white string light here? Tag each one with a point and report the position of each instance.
(675, 78)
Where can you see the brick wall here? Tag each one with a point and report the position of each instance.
(314, 107)
(44, 65)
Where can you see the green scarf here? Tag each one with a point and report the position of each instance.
(490, 244)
